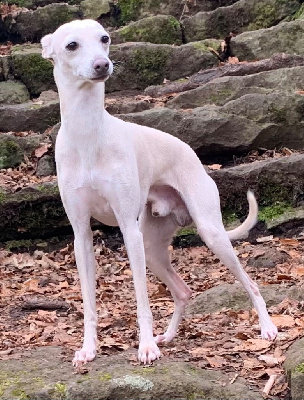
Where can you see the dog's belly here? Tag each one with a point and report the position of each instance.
(102, 211)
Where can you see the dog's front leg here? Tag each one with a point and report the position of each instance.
(85, 260)
(148, 350)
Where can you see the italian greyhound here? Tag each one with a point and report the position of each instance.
(143, 180)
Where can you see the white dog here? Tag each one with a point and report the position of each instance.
(144, 180)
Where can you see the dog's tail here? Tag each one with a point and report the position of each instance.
(242, 231)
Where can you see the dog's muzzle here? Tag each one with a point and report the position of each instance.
(102, 69)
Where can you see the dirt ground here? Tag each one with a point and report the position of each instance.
(41, 306)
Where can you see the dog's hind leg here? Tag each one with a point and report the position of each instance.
(157, 234)
(205, 211)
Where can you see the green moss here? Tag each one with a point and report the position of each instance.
(220, 97)
(196, 395)
(271, 192)
(201, 46)
(300, 368)
(229, 216)
(129, 10)
(265, 16)
(279, 115)
(300, 13)
(20, 394)
(34, 71)
(269, 213)
(159, 30)
(2, 196)
(104, 376)
(10, 153)
(60, 390)
(18, 244)
(186, 231)
(149, 64)
(145, 371)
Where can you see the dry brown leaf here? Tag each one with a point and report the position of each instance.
(215, 167)
(40, 151)
(283, 321)
(253, 345)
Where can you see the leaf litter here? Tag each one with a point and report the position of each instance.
(41, 305)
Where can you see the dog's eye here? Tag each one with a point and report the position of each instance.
(105, 39)
(72, 46)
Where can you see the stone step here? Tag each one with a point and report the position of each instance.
(287, 37)
(244, 15)
(46, 373)
(138, 65)
(37, 212)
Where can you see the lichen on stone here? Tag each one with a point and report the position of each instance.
(135, 382)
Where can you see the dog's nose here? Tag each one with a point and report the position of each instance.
(101, 65)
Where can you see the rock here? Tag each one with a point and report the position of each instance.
(273, 182)
(132, 11)
(289, 223)
(45, 373)
(5, 67)
(13, 92)
(224, 89)
(219, 133)
(48, 95)
(34, 4)
(234, 296)
(94, 8)
(244, 15)
(144, 64)
(32, 25)
(10, 153)
(29, 116)
(38, 210)
(269, 259)
(46, 166)
(294, 367)
(287, 37)
(31, 212)
(33, 70)
(277, 61)
(139, 65)
(13, 149)
(160, 29)
(300, 13)
(115, 106)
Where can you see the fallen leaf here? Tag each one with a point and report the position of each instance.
(215, 167)
(283, 321)
(40, 151)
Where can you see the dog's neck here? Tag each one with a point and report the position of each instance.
(81, 104)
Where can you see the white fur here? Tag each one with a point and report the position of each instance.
(144, 180)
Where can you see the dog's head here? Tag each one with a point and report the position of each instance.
(80, 48)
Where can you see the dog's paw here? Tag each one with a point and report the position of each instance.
(148, 353)
(269, 331)
(165, 338)
(83, 356)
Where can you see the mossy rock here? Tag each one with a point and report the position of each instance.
(13, 92)
(294, 367)
(144, 64)
(94, 8)
(33, 25)
(244, 15)
(159, 29)
(300, 13)
(33, 70)
(10, 153)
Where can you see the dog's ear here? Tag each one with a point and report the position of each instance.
(47, 46)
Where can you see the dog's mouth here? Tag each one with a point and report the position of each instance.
(100, 78)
